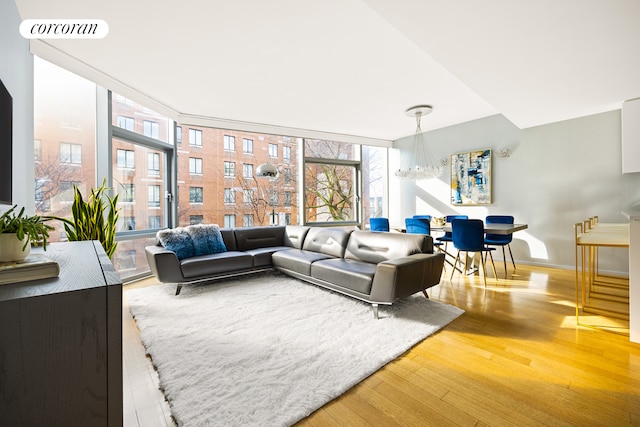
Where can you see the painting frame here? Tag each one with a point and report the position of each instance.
(471, 178)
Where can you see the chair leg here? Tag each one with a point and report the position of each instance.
(504, 259)
(424, 291)
(178, 289)
(493, 265)
(512, 261)
(453, 270)
(484, 268)
(466, 262)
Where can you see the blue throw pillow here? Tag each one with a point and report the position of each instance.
(177, 240)
(206, 239)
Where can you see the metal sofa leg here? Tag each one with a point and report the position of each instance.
(375, 310)
(178, 289)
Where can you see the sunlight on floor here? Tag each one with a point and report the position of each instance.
(597, 322)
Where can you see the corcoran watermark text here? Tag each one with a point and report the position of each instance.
(64, 28)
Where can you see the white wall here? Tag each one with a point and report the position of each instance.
(16, 71)
(557, 175)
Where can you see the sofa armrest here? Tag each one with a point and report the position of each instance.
(401, 277)
(164, 264)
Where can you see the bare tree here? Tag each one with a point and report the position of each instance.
(50, 175)
(329, 188)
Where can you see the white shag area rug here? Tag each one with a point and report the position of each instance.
(268, 350)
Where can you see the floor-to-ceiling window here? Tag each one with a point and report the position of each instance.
(66, 155)
(142, 153)
(65, 140)
(217, 180)
(332, 177)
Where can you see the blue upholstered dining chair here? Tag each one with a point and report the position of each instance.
(500, 239)
(447, 235)
(468, 236)
(427, 217)
(417, 225)
(379, 224)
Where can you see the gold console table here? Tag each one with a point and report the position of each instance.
(597, 293)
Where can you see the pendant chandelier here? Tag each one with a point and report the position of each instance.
(417, 162)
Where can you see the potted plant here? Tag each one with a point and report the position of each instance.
(18, 231)
(93, 219)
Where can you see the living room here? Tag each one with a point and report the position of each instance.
(559, 171)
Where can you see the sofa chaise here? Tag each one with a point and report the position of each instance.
(374, 267)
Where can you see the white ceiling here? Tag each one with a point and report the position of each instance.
(353, 67)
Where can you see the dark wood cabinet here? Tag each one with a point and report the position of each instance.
(61, 343)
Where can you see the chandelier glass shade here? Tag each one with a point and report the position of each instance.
(267, 170)
(417, 162)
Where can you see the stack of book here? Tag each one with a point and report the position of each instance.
(34, 267)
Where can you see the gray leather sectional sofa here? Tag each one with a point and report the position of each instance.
(375, 267)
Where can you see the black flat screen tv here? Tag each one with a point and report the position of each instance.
(6, 145)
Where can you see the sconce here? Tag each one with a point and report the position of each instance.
(503, 153)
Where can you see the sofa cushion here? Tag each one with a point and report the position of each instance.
(248, 238)
(297, 260)
(330, 241)
(177, 240)
(223, 262)
(375, 247)
(229, 238)
(262, 256)
(350, 274)
(206, 239)
(294, 235)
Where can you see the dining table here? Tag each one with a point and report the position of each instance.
(488, 228)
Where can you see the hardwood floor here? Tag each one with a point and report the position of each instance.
(516, 357)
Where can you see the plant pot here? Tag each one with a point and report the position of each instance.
(11, 248)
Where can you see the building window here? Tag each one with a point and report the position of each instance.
(70, 153)
(287, 219)
(151, 129)
(273, 218)
(229, 195)
(42, 203)
(154, 222)
(153, 165)
(229, 221)
(195, 194)
(195, 219)
(247, 170)
(128, 193)
(195, 137)
(247, 146)
(273, 150)
(287, 198)
(125, 158)
(178, 134)
(154, 196)
(195, 166)
(287, 176)
(247, 196)
(127, 123)
(248, 220)
(286, 154)
(66, 190)
(126, 259)
(37, 150)
(229, 143)
(273, 198)
(229, 169)
(129, 223)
